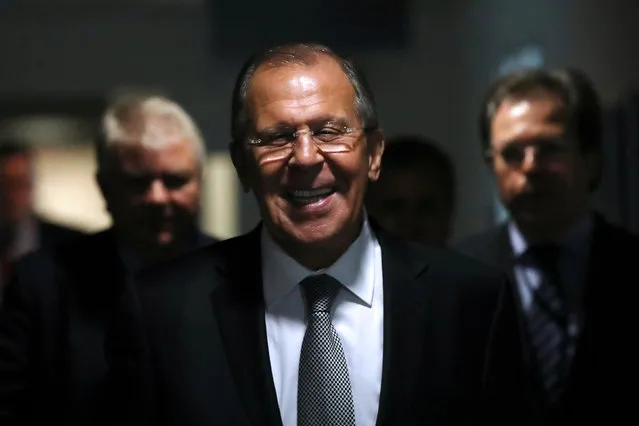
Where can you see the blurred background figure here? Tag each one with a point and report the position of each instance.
(415, 195)
(150, 157)
(21, 230)
(150, 165)
(541, 132)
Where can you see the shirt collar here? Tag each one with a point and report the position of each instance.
(26, 238)
(575, 240)
(281, 273)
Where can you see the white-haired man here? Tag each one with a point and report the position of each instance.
(57, 312)
(150, 161)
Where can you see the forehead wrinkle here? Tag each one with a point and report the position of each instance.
(300, 94)
(521, 119)
(286, 79)
(305, 84)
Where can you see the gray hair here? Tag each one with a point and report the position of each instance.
(300, 54)
(125, 121)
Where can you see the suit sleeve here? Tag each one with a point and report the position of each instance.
(17, 346)
(129, 363)
(507, 387)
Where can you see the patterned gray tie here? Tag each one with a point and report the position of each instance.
(324, 396)
(547, 323)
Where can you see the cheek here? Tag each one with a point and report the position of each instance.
(20, 201)
(263, 176)
(188, 197)
(265, 183)
(509, 181)
(562, 171)
(351, 171)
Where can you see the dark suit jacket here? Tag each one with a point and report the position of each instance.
(606, 357)
(451, 340)
(51, 234)
(52, 331)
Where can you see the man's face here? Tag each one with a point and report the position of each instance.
(153, 195)
(411, 203)
(16, 188)
(309, 198)
(543, 177)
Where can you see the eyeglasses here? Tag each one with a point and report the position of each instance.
(514, 154)
(328, 139)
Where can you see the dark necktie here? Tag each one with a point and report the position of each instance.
(548, 322)
(324, 396)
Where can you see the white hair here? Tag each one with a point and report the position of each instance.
(151, 121)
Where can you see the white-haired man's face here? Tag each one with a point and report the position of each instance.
(153, 193)
(16, 188)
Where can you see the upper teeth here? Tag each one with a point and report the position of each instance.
(310, 192)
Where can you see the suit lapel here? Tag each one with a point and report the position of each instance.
(238, 305)
(403, 312)
(601, 261)
(499, 254)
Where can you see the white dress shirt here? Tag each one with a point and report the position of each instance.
(572, 263)
(357, 317)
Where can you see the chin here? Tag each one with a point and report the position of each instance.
(537, 222)
(315, 232)
(164, 239)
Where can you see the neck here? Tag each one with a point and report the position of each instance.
(320, 255)
(7, 236)
(549, 232)
(149, 254)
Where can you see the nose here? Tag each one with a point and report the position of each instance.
(530, 161)
(157, 193)
(305, 152)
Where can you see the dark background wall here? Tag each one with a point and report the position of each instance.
(430, 81)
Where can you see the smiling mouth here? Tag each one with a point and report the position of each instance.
(304, 197)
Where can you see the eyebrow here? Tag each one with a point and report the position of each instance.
(319, 121)
(147, 175)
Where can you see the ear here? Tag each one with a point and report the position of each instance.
(238, 156)
(375, 142)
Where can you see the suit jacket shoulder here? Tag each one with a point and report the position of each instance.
(490, 246)
(87, 256)
(210, 252)
(52, 289)
(493, 246)
(615, 238)
(52, 234)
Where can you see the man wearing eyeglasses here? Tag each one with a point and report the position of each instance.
(59, 307)
(541, 131)
(317, 317)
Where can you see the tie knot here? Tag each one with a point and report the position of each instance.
(319, 292)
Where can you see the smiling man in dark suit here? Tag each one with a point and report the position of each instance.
(316, 317)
